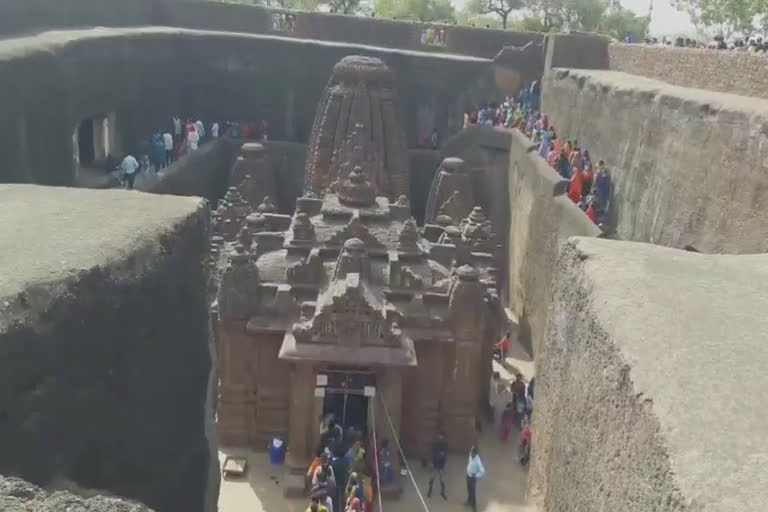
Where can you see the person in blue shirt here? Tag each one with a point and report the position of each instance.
(602, 187)
(475, 471)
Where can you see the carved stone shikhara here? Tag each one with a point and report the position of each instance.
(359, 92)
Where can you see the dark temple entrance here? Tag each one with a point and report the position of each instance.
(86, 149)
(345, 398)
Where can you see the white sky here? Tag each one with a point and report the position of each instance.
(665, 20)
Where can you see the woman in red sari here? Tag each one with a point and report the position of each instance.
(577, 185)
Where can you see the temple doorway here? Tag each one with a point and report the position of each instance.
(86, 149)
(345, 397)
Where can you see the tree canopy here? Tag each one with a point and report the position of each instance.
(605, 16)
(500, 8)
(421, 10)
(726, 17)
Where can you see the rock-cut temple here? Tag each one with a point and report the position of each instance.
(347, 306)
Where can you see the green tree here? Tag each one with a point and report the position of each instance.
(500, 8)
(421, 10)
(584, 14)
(529, 24)
(344, 6)
(726, 17)
(620, 21)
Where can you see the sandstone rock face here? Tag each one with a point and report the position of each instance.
(689, 166)
(359, 100)
(17, 495)
(650, 386)
(106, 366)
(541, 219)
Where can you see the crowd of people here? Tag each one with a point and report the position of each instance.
(589, 184)
(181, 137)
(754, 45)
(343, 474)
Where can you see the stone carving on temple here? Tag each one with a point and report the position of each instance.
(348, 313)
(477, 231)
(303, 229)
(451, 180)
(350, 280)
(253, 174)
(455, 206)
(354, 229)
(239, 286)
(356, 190)
(359, 92)
(266, 206)
(353, 259)
(466, 303)
(308, 272)
(409, 238)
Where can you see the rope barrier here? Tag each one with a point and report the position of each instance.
(402, 455)
(376, 456)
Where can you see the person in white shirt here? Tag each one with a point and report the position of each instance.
(177, 128)
(475, 470)
(168, 142)
(193, 138)
(200, 129)
(129, 166)
(215, 130)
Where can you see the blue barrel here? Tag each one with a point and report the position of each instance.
(276, 451)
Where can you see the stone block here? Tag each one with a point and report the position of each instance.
(17, 495)
(107, 372)
(650, 384)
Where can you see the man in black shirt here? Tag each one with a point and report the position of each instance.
(439, 456)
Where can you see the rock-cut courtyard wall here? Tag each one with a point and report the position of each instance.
(107, 364)
(689, 166)
(541, 219)
(650, 384)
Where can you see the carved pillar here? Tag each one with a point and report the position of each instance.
(300, 420)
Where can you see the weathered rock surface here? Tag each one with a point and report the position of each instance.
(17, 495)
(690, 167)
(106, 366)
(651, 382)
(541, 219)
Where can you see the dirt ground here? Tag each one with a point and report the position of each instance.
(502, 490)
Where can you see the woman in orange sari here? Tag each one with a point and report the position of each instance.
(577, 185)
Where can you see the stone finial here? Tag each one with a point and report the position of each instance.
(477, 215)
(266, 206)
(454, 206)
(477, 231)
(356, 190)
(451, 235)
(352, 259)
(452, 164)
(239, 255)
(252, 150)
(444, 220)
(409, 237)
(230, 194)
(303, 229)
(256, 222)
(451, 191)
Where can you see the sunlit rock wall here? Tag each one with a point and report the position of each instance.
(106, 360)
(650, 385)
(690, 167)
